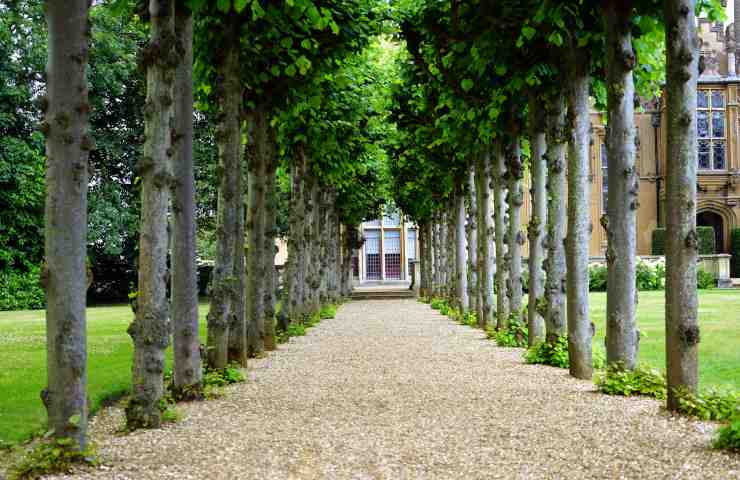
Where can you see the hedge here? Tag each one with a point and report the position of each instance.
(735, 252)
(705, 238)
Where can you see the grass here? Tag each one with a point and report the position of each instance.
(23, 360)
(719, 321)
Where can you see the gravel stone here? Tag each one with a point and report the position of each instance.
(394, 390)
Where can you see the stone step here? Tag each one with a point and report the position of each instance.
(382, 294)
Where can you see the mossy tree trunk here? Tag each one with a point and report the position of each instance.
(499, 202)
(229, 139)
(255, 309)
(580, 329)
(150, 330)
(451, 255)
(536, 233)
(555, 314)
(437, 252)
(620, 222)
(184, 297)
(486, 256)
(64, 277)
(296, 217)
(682, 326)
(515, 175)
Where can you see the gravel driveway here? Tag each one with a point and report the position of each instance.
(393, 390)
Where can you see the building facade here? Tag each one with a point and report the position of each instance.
(391, 243)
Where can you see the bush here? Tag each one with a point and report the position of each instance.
(51, 456)
(705, 280)
(643, 380)
(21, 290)
(658, 241)
(711, 404)
(735, 252)
(728, 437)
(705, 238)
(597, 278)
(554, 354)
(328, 311)
(514, 336)
(650, 275)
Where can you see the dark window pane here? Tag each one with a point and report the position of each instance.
(719, 155)
(704, 154)
(718, 99)
(702, 124)
(604, 161)
(718, 124)
(701, 99)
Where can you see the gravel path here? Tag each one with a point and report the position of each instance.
(393, 390)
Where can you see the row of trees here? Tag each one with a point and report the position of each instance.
(492, 89)
(292, 87)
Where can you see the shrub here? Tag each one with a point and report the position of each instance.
(728, 436)
(328, 311)
(705, 238)
(516, 335)
(643, 380)
(658, 241)
(51, 456)
(21, 290)
(650, 276)
(554, 354)
(705, 280)
(735, 252)
(597, 278)
(438, 303)
(712, 404)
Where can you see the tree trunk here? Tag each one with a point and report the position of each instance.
(228, 136)
(451, 256)
(296, 219)
(620, 222)
(269, 251)
(472, 231)
(486, 258)
(150, 330)
(556, 221)
(682, 326)
(64, 275)
(238, 352)
(436, 251)
(255, 311)
(184, 297)
(461, 260)
(580, 329)
(535, 321)
(516, 237)
(499, 199)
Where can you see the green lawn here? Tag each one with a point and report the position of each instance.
(719, 320)
(23, 373)
(23, 360)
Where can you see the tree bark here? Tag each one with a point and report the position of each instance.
(451, 255)
(238, 352)
(499, 200)
(64, 275)
(255, 311)
(228, 137)
(515, 174)
(461, 260)
(188, 370)
(620, 222)
(472, 231)
(150, 330)
(580, 329)
(555, 314)
(538, 169)
(436, 251)
(682, 326)
(296, 219)
(269, 251)
(486, 257)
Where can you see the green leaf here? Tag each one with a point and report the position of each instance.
(303, 64)
(306, 44)
(528, 32)
(257, 9)
(286, 42)
(223, 5)
(275, 70)
(466, 84)
(290, 70)
(240, 5)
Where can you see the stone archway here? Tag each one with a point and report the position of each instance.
(712, 219)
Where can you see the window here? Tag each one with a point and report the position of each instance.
(410, 247)
(604, 178)
(710, 127)
(372, 255)
(392, 253)
(391, 219)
